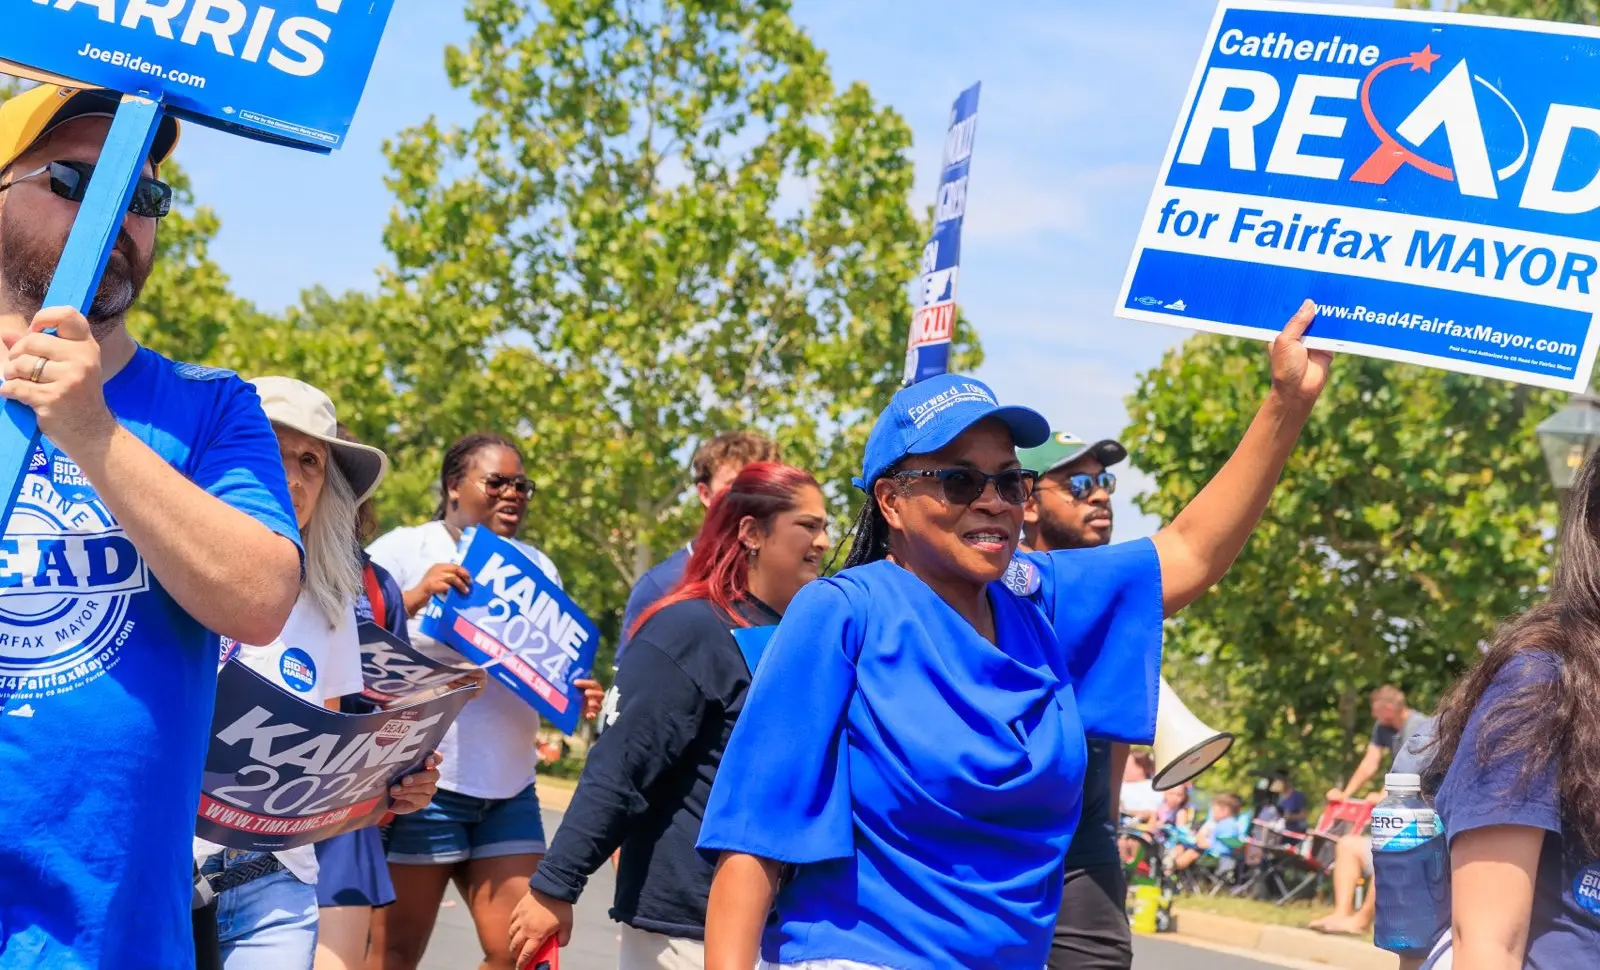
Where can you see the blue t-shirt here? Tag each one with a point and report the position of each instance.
(662, 578)
(1222, 830)
(107, 685)
(1564, 928)
(925, 781)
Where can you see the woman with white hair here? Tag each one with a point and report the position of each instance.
(267, 903)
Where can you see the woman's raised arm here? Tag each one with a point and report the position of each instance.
(1199, 545)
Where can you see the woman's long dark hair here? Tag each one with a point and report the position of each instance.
(719, 568)
(1550, 721)
(459, 455)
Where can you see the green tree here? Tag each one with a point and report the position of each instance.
(1571, 11)
(664, 222)
(1415, 515)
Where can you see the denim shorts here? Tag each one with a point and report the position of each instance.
(267, 924)
(456, 827)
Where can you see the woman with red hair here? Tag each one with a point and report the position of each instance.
(678, 692)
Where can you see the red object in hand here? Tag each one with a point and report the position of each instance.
(549, 955)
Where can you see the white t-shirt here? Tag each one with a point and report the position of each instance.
(1139, 796)
(489, 752)
(316, 662)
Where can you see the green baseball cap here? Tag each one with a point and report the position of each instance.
(1063, 447)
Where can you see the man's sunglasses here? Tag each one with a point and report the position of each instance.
(963, 486)
(152, 198)
(499, 485)
(1082, 485)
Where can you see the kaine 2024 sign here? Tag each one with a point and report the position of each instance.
(1431, 181)
(934, 319)
(519, 625)
(282, 773)
(289, 71)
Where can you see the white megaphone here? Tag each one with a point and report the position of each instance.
(1185, 745)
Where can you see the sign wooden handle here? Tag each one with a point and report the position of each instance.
(83, 262)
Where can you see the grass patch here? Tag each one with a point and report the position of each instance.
(568, 767)
(1254, 910)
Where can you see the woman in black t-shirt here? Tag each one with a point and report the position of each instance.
(678, 693)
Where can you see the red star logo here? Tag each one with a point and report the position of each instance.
(1423, 60)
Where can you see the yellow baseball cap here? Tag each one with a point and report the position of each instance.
(27, 117)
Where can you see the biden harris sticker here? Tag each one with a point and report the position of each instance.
(298, 670)
(68, 574)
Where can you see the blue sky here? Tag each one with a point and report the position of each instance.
(1079, 98)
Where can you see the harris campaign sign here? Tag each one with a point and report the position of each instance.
(1431, 181)
(289, 71)
(933, 322)
(519, 625)
(281, 773)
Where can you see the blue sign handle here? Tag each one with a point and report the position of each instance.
(83, 262)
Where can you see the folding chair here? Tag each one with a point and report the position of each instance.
(1299, 863)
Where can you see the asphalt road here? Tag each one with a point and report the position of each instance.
(594, 940)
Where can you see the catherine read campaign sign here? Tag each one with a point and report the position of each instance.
(519, 625)
(1431, 181)
(289, 71)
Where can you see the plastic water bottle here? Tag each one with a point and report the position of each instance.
(1412, 873)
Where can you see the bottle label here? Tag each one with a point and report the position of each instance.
(1398, 829)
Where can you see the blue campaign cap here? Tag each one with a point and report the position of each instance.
(928, 415)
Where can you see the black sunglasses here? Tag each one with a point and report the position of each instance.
(500, 484)
(1082, 485)
(152, 198)
(963, 486)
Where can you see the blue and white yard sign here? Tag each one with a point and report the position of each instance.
(928, 347)
(518, 625)
(290, 71)
(1431, 181)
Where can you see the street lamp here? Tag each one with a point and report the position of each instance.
(1568, 438)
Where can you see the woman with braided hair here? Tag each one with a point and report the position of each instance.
(483, 830)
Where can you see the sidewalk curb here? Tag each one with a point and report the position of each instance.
(555, 794)
(1283, 941)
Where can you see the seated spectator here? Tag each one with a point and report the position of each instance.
(1292, 804)
(1174, 810)
(1140, 800)
(1219, 837)
(1404, 733)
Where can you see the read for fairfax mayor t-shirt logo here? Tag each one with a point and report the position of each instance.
(68, 574)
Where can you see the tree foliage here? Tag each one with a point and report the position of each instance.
(664, 222)
(1414, 516)
(1570, 11)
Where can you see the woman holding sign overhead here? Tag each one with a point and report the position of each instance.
(914, 746)
(679, 691)
(483, 831)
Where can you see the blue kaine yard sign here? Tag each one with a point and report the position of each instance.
(1431, 181)
(519, 625)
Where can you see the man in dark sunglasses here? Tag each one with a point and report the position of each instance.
(1070, 508)
(154, 517)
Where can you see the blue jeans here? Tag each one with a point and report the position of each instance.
(267, 924)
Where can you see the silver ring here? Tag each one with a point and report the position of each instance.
(38, 370)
